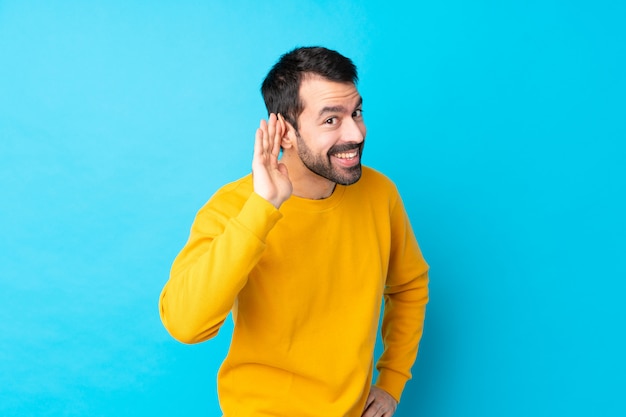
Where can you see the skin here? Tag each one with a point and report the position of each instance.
(379, 404)
(331, 124)
(325, 151)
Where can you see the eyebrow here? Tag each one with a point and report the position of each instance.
(339, 109)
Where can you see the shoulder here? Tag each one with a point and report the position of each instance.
(230, 197)
(242, 186)
(374, 189)
(375, 181)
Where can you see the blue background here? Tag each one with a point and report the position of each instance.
(503, 124)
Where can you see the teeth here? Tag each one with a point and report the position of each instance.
(346, 155)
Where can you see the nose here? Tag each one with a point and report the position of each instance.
(354, 131)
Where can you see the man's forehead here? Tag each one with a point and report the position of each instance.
(318, 93)
(334, 108)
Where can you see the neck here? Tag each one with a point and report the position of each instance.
(311, 194)
(307, 184)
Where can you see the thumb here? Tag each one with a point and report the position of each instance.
(282, 168)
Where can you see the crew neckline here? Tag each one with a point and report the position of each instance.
(307, 204)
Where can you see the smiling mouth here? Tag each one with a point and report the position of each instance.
(347, 155)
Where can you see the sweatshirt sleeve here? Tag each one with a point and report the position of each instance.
(206, 276)
(406, 296)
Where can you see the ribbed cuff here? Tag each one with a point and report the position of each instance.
(392, 382)
(259, 216)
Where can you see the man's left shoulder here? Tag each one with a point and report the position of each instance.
(371, 178)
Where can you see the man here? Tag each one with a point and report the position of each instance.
(303, 251)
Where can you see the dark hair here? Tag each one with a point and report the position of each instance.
(281, 87)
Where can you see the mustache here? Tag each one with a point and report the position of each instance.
(345, 147)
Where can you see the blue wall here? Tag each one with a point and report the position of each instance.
(502, 124)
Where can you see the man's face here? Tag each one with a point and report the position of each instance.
(331, 131)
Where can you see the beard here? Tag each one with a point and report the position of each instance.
(322, 165)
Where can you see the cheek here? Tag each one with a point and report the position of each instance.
(327, 142)
(321, 142)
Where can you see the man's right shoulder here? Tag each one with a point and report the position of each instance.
(232, 196)
(242, 186)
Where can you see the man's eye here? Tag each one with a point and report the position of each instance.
(357, 113)
(331, 121)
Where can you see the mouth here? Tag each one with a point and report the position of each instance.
(347, 158)
(347, 155)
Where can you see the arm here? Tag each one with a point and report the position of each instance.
(406, 295)
(213, 267)
(225, 244)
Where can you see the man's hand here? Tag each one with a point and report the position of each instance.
(270, 177)
(379, 404)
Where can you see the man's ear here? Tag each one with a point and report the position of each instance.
(289, 137)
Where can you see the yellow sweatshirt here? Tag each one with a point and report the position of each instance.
(305, 285)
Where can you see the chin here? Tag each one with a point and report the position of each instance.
(351, 179)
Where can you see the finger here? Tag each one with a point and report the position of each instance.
(370, 407)
(258, 142)
(264, 138)
(280, 131)
(371, 411)
(271, 131)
